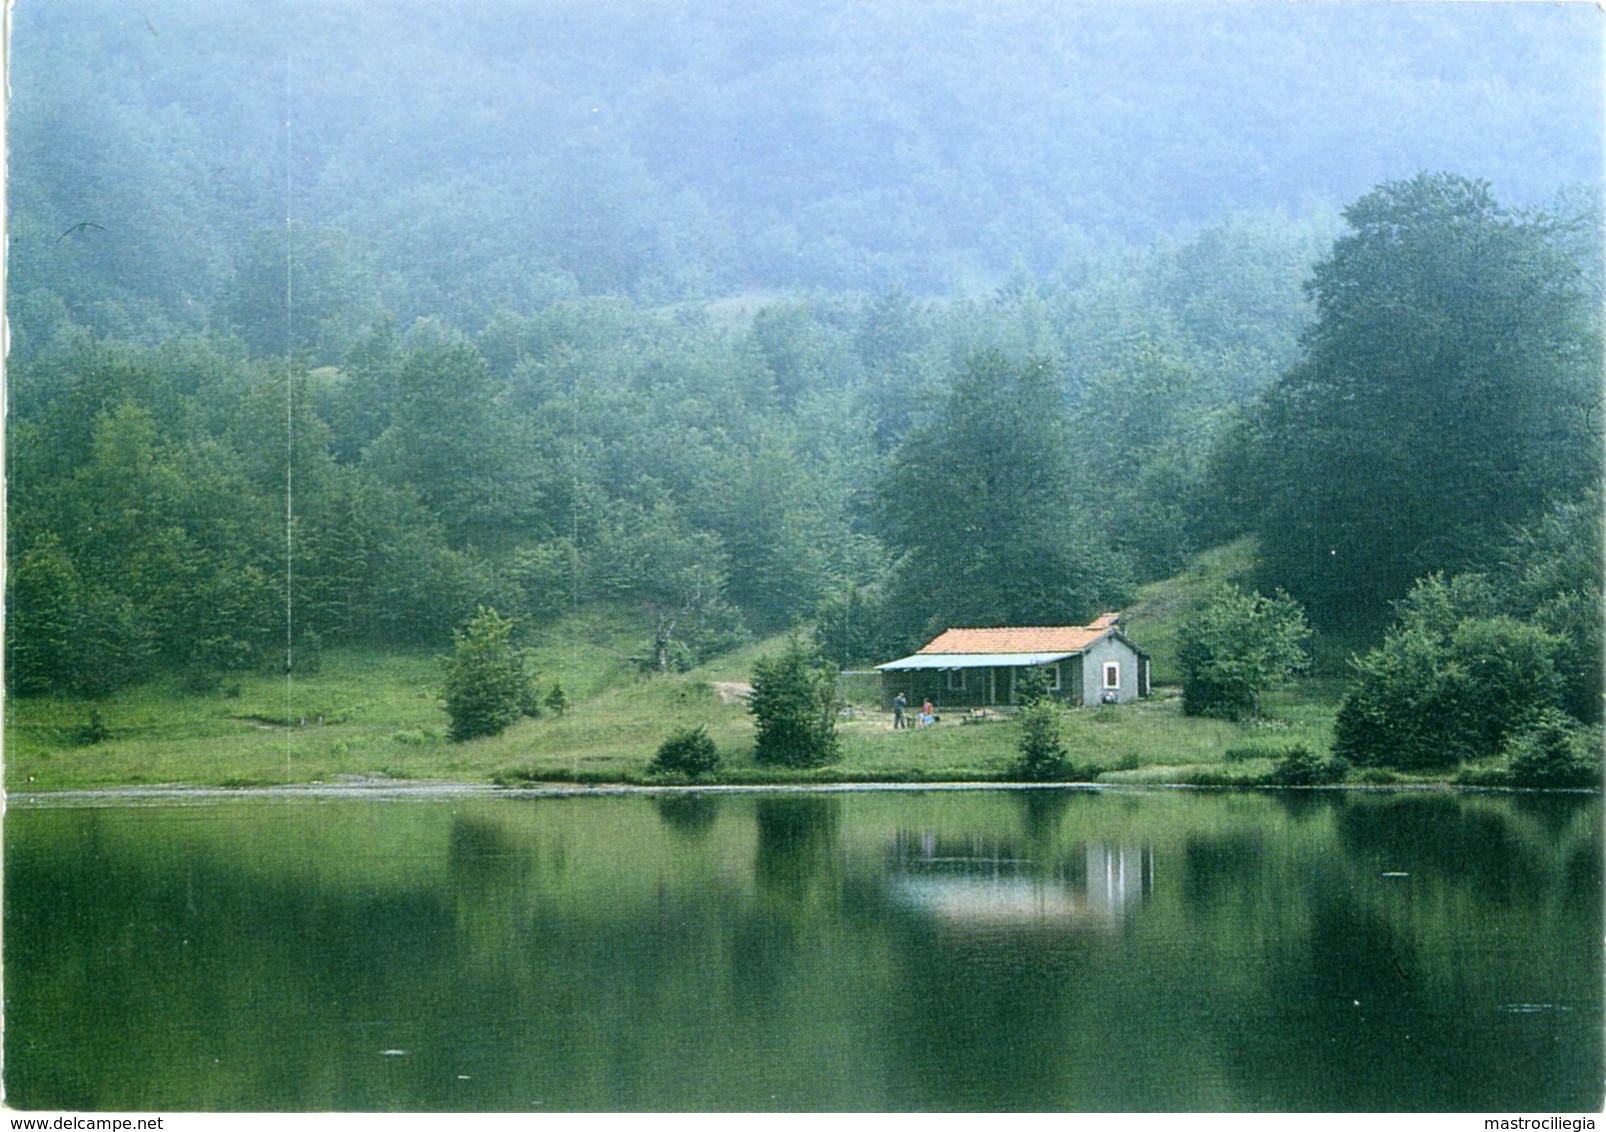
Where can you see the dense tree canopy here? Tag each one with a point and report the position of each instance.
(1479, 662)
(1450, 683)
(887, 465)
(1448, 391)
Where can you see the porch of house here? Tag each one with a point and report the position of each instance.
(972, 685)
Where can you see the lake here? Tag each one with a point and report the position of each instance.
(872, 950)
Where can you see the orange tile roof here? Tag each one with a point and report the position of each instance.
(1029, 638)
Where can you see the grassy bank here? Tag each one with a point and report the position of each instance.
(370, 713)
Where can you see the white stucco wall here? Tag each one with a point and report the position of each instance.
(1093, 661)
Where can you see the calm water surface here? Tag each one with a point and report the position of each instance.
(937, 950)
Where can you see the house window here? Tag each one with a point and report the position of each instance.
(956, 679)
(1112, 674)
(1053, 672)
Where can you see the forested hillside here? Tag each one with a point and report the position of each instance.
(723, 471)
(456, 160)
(334, 322)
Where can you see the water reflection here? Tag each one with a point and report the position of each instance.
(1458, 839)
(986, 882)
(1042, 813)
(1348, 1023)
(1584, 879)
(480, 852)
(691, 814)
(1214, 866)
(797, 843)
(1033, 950)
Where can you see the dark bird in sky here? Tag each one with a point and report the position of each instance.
(81, 226)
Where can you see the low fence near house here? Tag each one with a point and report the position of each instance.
(861, 689)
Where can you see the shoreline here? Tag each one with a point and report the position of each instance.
(403, 790)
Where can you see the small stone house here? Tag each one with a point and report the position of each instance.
(1086, 664)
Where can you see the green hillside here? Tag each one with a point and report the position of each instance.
(376, 715)
(1156, 617)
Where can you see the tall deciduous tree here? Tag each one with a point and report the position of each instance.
(452, 440)
(1445, 396)
(982, 503)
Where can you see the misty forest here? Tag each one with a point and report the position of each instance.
(333, 323)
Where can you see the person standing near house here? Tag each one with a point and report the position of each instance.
(900, 704)
(928, 714)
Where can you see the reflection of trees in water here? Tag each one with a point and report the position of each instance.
(1339, 1010)
(1571, 824)
(1355, 1018)
(480, 850)
(1217, 868)
(795, 869)
(1042, 811)
(1447, 838)
(1552, 812)
(1582, 876)
(797, 842)
(1301, 804)
(1395, 992)
(167, 959)
(977, 1021)
(314, 965)
(494, 882)
(690, 813)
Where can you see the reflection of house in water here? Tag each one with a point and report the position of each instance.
(984, 882)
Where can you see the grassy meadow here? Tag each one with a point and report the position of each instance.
(369, 714)
(374, 714)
